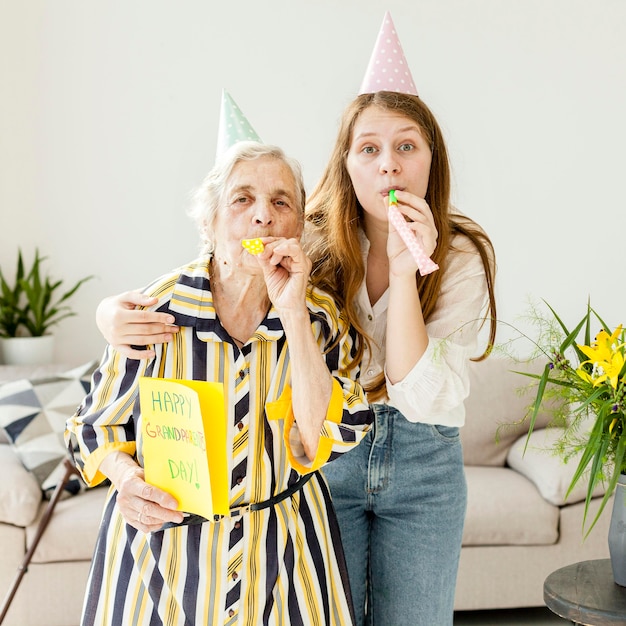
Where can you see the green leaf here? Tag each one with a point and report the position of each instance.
(603, 450)
(619, 461)
(543, 380)
(34, 302)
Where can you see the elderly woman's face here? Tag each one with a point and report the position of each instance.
(260, 200)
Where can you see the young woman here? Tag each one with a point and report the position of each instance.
(403, 487)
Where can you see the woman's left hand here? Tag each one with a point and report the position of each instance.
(143, 506)
(286, 269)
(421, 222)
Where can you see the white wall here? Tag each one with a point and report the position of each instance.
(109, 110)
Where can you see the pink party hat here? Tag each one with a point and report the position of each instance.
(233, 127)
(388, 69)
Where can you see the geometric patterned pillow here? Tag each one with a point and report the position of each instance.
(33, 415)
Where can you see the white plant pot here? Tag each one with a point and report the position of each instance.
(27, 350)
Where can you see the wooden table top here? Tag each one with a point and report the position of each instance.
(586, 593)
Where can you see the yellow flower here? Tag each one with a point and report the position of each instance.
(602, 348)
(586, 377)
(612, 426)
(606, 357)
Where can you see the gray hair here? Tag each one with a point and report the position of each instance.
(206, 200)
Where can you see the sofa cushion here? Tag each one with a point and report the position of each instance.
(72, 530)
(541, 465)
(20, 494)
(504, 508)
(33, 414)
(495, 409)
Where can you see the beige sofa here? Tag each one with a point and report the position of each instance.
(514, 537)
(518, 526)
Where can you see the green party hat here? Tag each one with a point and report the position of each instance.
(234, 126)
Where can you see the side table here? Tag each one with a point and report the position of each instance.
(586, 593)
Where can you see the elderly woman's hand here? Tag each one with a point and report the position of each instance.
(143, 506)
(286, 269)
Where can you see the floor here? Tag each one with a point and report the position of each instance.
(509, 617)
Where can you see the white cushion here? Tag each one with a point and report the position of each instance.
(495, 409)
(20, 494)
(541, 465)
(81, 515)
(504, 508)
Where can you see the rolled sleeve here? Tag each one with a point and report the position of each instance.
(347, 421)
(434, 390)
(104, 421)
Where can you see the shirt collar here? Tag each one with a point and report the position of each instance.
(191, 304)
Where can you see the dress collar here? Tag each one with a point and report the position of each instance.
(192, 304)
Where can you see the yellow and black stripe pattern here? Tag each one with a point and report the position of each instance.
(282, 565)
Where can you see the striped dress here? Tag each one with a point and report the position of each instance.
(281, 565)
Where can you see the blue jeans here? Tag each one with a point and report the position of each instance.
(400, 497)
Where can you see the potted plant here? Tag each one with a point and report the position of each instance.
(29, 307)
(583, 383)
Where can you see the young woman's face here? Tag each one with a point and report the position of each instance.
(387, 152)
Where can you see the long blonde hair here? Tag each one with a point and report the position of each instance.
(333, 214)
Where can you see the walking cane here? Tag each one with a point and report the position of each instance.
(21, 570)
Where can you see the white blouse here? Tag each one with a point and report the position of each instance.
(434, 390)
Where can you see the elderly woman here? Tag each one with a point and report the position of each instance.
(287, 366)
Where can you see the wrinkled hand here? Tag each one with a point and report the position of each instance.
(123, 325)
(421, 222)
(143, 506)
(286, 269)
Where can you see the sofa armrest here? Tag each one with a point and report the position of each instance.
(543, 467)
(20, 494)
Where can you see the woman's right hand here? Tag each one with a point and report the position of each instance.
(422, 223)
(124, 326)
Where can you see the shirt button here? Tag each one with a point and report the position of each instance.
(231, 613)
(370, 372)
(235, 577)
(369, 317)
(240, 426)
(239, 480)
(237, 524)
(242, 374)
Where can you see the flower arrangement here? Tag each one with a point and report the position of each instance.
(584, 386)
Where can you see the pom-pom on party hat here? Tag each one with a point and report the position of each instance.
(234, 126)
(388, 69)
